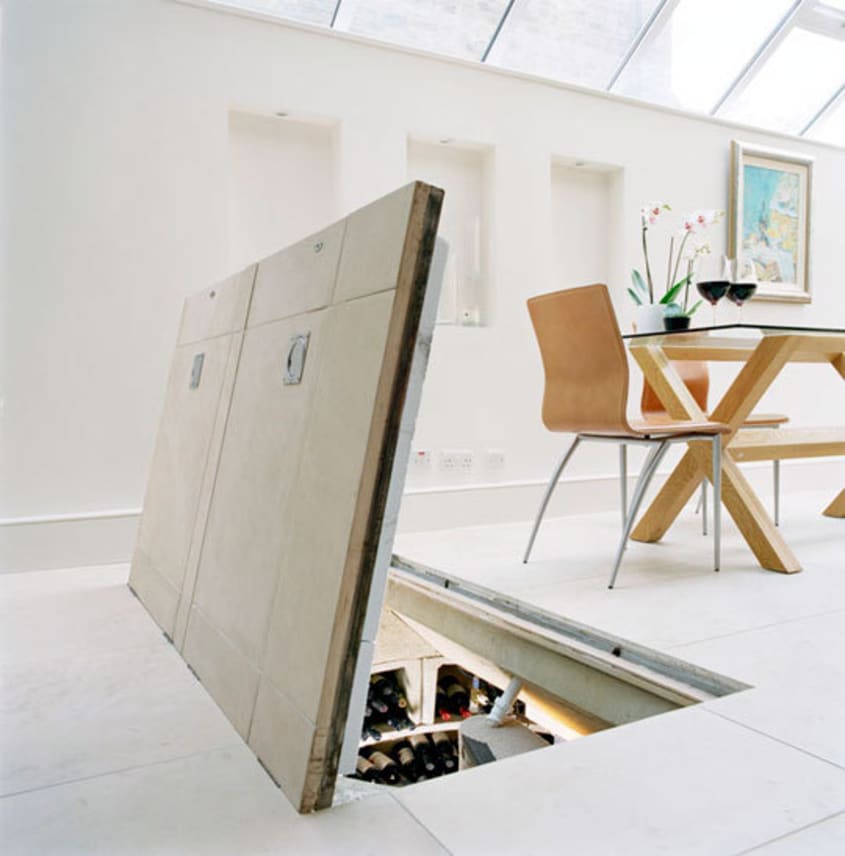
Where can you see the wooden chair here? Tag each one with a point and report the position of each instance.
(586, 393)
(696, 376)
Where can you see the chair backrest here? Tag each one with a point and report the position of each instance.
(583, 358)
(693, 373)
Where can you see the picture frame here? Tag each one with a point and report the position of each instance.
(769, 219)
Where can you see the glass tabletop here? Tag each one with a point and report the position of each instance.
(758, 328)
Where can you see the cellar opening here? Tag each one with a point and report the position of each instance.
(464, 676)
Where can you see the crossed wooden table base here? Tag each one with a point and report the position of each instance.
(763, 360)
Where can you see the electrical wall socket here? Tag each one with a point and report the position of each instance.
(421, 459)
(494, 459)
(456, 460)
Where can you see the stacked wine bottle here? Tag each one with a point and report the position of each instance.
(408, 760)
(387, 707)
(460, 695)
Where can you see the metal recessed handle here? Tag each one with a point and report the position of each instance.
(295, 363)
(196, 371)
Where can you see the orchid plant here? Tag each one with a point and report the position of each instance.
(690, 245)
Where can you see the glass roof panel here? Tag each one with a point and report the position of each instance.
(307, 11)
(795, 83)
(576, 41)
(830, 128)
(459, 28)
(700, 50)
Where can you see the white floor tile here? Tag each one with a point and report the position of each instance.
(47, 614)
(826, 838)
(215, 804)
(89, 714)
(687, 782)
(798, 673)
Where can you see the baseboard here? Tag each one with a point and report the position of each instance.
(67, 541)
(475, 505)
(104, 538)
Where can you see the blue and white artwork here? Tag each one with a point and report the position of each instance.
(771, 222)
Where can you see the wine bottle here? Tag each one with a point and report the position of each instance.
(403, 754)
(442, 705)
(400, 723)
(428, 764)
(457, 695)
(378, 705)
(385, 687)
(446, 750)
(368, 732)
(366, 770)
(388, 770)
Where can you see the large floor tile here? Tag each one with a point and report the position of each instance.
(215, 804)
(88, 714)
(826, 838)
(666, 594)
(687, 782)
(798, 675)
(47, 614)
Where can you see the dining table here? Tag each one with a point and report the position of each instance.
(762, 351)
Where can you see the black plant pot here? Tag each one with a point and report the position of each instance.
(676, 322)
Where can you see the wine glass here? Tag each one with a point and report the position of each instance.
(745, 285)
(713, 281)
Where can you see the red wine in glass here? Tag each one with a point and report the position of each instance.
(713, 290)
(739, 292)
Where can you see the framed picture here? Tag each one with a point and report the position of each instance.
(769, 222)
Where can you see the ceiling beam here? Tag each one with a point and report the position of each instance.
(497, 30)
(828, 106)
(649, 31)
(762, 55)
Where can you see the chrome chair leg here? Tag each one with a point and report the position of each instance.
(655, 456)
(702, 499)
(623, 479)
(548, 495)
(717, 499)
(776, 474)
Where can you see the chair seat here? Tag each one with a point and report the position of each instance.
(755, 420)
(644, 428)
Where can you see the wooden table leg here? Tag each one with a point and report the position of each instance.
(742, 503)
(837, 507)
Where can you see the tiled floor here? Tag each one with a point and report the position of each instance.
(110, 746)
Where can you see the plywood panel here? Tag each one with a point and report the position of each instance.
(190, 434)
(298, 279)
(248, 520)
(289, 530)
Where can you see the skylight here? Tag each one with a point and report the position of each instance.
(575, 41)
(699, 50)
(775, 64)
(801, 76)
(460, 29)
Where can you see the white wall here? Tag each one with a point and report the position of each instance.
(119, 201)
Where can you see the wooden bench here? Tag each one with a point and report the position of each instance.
(775, 444)
(771, 444)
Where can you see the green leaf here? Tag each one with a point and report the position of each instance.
(639, 283)
(672, 293)
(635, 297)
(692, 311)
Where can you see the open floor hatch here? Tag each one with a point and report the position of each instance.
(447, 650)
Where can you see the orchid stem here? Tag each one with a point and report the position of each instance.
(647, 268)
(678, 261)
(669, 266)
